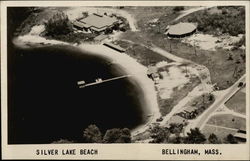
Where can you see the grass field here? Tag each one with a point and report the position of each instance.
(237, 102)
(228, 120)
(221, 133)
(142, 54)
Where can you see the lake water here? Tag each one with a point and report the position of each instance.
(45, 103)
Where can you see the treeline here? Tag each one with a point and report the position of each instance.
(16, 17)
(92, 134)
(229, 20)
(173, 134)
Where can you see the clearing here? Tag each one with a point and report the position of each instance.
(229, 121)
(238, 102)
(220, 132)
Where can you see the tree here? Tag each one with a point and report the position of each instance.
(160, 135)
(213, 139)
(59, 24)
(117, 136)
(177, 140)
(92, 134)
(195, 137)
(231, 139)
(176, 128)
(178, 8)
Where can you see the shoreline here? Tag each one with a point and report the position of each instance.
(139, 72)
(127, 63)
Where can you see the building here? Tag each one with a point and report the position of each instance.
(96, 23)
(115, 47)
(153, 74)
(241, 135)
(181, 30)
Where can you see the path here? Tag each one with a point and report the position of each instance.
(192, 10)
(216, 126)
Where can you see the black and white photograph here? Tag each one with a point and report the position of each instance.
(125, 75)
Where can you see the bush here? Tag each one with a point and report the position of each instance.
(178, 8)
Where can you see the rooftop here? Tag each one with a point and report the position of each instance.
(240, 135)
(181, 28)
(98, 21)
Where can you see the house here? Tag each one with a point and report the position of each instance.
(241, 135)
(96, 23)
(189, 112)
(181, 30)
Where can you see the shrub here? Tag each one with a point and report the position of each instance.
(178, 8)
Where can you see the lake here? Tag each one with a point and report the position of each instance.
(45, 103)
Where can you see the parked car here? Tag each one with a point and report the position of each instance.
(240, 84)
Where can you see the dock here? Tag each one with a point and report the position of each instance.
(102, 81)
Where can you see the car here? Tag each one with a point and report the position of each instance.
(159, 119)
(240, 84)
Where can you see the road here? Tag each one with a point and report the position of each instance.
(221, 99)
(192, 10)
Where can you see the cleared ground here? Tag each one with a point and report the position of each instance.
(166, 105)
(238, 102)
(221, 133)
(229, 121)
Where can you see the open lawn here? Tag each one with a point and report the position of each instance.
(221, 133)
(142, 54)
(228, 120)
(237, 102)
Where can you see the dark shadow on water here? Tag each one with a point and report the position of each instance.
(45, 103)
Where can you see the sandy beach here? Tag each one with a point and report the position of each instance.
(129, 65)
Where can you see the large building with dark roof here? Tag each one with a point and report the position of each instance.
(181, 30)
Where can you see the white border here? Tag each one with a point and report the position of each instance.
(115, 151)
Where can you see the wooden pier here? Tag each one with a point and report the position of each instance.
(98, 81)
